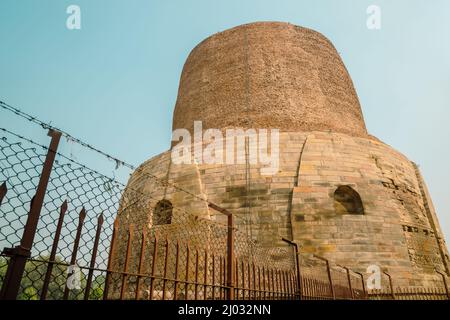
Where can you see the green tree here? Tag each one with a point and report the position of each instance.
(29, 293)
(34, 275)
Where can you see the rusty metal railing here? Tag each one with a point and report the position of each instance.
(73, 246)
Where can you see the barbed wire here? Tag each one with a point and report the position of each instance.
(240, 220)
(68, 136)
(87, 168)
(139, 169)
(71, 138)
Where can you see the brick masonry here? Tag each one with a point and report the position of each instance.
(293, 79)
(394, 232)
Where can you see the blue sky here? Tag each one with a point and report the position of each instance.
(114, 82)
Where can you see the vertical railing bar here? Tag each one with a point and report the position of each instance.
(254, 280)
(186, 286)
(280, 277)
(243, 279)
(291, 289)
(154, 261)
(94, 256)
(73, 259)
(127, 262)
(48, 273)
(230, 257)
(205, 278)
(278, 283)
(293, 280)
(286, 285)
(445, 283)
(365, 294)
(20, 254)
(282, 288)
(141, 263)
(291, 285)
(166, 258)
(236, 271)
(3, 191)
(296, 292)
(213, 277)
(177, 257)
(220, 277)
(111, 258)
(196, 274)
(391, 286)
(249, 292)
(226, 292)
(272, 284)
(264, 283)
(350, 284)
(259, 283)
(283, 285)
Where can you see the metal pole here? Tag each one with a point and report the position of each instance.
(230, 256)
(73, 259)
(230, 249)
(390, 284)
(349, 281)
(445, 283)
(297, 262)
(93, 257)
(363, 284)
(3, 190)
(21, 253)
(329, 275)
(111, 258)
(48, 274)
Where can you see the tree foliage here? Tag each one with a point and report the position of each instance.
(34, 275)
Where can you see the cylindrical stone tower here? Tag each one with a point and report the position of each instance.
(268, 75)
(338, 191)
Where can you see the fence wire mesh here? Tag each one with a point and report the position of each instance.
(99, 239)
(202, 243)
(82, 188)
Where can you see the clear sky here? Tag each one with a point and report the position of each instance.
(114, 82)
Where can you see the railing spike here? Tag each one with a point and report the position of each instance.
(3, 191)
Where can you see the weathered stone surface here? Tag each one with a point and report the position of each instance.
(268, 75)
(287, 77)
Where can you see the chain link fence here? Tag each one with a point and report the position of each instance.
(95, 238)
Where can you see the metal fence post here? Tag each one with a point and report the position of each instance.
(390, 284)
(349, 279)
(445, 283)
(109, 271)
(52, 258)
(366, 295)
(297, 262)
(3, 190)
(73, 259)
(230, 249)
(21, 253)
(330, 279)
(230, 256)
